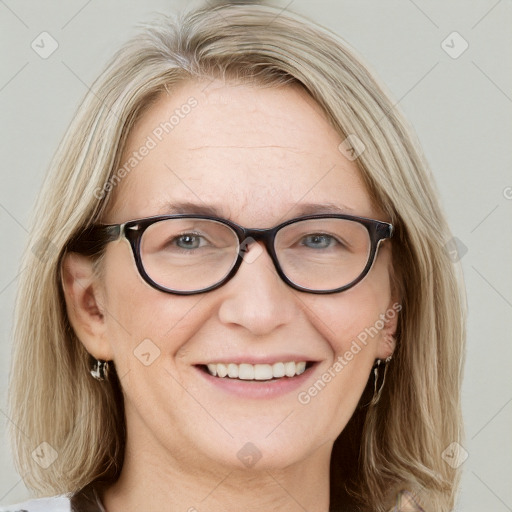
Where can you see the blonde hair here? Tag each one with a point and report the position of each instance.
(53, 398)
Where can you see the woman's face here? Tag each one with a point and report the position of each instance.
(257, 156)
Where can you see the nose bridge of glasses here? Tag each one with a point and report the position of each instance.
(247, 236)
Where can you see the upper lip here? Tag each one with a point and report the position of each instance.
(264, 359)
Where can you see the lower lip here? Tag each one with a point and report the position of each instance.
(258, 389)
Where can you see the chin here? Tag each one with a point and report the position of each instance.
(262, 452)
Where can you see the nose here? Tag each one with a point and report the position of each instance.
(256, 298)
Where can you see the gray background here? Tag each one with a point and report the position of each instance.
(461, 109)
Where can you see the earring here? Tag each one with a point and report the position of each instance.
(99, 370)
(377, 389)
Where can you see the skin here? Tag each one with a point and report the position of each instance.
(258, 154)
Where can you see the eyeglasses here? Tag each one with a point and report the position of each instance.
(186, 254)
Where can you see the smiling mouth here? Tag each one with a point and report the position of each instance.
(257, 372)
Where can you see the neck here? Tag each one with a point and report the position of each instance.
(155, 480)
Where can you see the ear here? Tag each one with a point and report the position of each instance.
(387, 340)
(85, 304)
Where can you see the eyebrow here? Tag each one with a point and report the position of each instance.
(297, 210)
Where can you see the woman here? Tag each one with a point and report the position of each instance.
(244, 302)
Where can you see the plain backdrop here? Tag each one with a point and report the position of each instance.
(460, 103)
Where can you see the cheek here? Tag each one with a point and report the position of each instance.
(353, 318)
(142, 320)
(351, 325)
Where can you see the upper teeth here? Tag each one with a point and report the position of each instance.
(246, 371)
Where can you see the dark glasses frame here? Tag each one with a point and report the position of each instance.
(92, 241)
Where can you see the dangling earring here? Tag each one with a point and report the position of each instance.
(99, 370)
(377, 389)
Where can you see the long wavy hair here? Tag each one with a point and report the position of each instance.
(393, 445)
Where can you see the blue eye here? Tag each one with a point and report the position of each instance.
(318, 241)
(188, 242)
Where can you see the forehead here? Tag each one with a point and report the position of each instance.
(254, 153)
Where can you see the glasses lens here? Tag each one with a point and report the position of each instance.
(188, 254)
(323, 254)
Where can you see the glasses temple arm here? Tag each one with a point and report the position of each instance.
(93, 239)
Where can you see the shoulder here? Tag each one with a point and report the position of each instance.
(55, 504)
